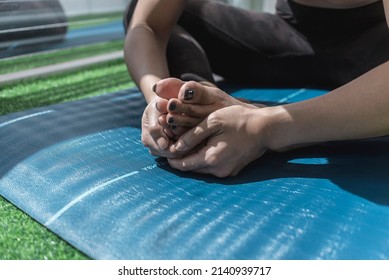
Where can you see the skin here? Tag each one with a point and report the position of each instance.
(210, 128)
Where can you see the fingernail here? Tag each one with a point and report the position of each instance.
(162, 144)
(154, 88)
(172, 106)
(179, 146)
(188, 94)
(170, 120)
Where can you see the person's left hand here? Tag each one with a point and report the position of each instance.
(225, 142)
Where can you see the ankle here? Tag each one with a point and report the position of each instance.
(194, 77)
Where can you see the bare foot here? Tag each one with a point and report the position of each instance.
(196, 101)
(188, 103)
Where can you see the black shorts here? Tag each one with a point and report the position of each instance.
(298, 46)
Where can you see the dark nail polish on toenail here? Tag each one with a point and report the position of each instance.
(173, 127)
(189, 93)
(155, 88)
(171, 120)
(172, 106)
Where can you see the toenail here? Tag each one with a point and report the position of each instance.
(172, 106)
(173, 127)
(154, 88)
(170, 120)
(189, 93)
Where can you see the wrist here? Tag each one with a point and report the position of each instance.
(279, 129)
(150, 96)
(147, 87)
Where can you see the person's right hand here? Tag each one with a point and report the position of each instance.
(153, 136)
(156, 132)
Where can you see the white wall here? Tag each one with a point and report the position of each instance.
(258, 5)
(80, 7)
(269, 6)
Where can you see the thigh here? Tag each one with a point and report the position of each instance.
(264, 33)
(247, 46)
(240, 45)
(359, 55)
(346, 42)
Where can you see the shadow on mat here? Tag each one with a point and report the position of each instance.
(359, 167)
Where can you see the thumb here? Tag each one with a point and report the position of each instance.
(168, 88)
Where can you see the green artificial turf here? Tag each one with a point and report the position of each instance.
(83, 21)
(94, 80)
(20, 236)
(30, 61)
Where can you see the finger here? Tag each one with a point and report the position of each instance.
(153, 135)
(168, 88)
(182, 120)
(195, 136)
(191, 162)
(174, 130)
(178, 131)
(169, 133)
(209, 160)
(166, 127)
(169, 152)
(161, 153)
(155, 141)
(162, 121)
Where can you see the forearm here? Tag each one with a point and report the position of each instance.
(147, 39)
(359, 109)
(145, 58)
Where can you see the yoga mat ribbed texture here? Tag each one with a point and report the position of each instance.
(80, 169)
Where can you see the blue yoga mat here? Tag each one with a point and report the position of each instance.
(80, 169)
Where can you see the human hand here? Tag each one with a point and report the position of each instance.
(232, 137)
(156, 133)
